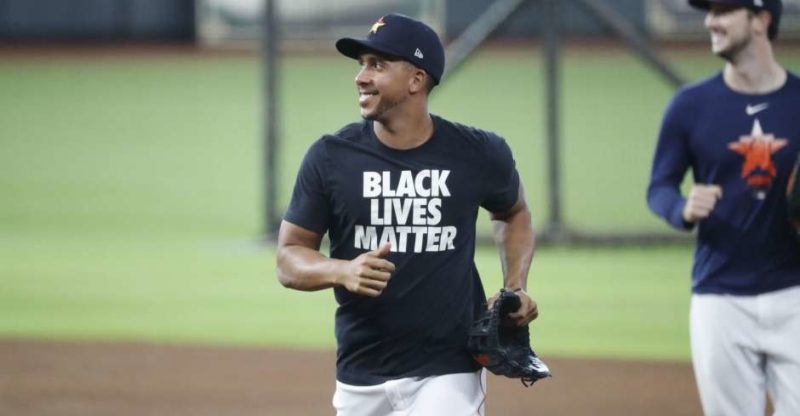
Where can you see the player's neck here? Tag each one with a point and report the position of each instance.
(405, 131)
(754, 71)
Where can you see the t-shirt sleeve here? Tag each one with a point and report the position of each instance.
(671, 160)
(501, 181)
(310, 204)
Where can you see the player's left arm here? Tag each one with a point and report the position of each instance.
(515, 240)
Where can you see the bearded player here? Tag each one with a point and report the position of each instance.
(398, 195)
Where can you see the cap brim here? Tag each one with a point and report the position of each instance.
(706, 4)
(352, 48)
(700, 4)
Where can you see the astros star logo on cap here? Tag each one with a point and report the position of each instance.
(377, 25)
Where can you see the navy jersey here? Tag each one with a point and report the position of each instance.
(746, 144)
(424, 201)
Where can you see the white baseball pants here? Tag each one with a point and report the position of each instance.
(461, 394)
(744, 347)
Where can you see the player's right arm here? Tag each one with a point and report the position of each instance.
(301, 266)
(672, 159)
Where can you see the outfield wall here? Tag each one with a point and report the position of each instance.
(96, 20)
(217, 21)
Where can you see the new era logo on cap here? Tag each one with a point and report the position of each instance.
(418, 54)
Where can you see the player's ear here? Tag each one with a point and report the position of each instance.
(763, 19)
(418, 81)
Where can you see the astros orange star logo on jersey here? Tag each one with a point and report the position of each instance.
(377, 25)
(758, 170)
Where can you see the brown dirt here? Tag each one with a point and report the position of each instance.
(47, 52)
(43, 378)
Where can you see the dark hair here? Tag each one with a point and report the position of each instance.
(772, 29)
(430, 83)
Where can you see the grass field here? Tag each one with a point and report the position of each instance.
(130, 198)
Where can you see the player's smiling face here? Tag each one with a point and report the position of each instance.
(382, 85)
(730, 29)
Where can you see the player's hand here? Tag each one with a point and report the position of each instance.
(528, 309)
(700, 202)
(368, 273)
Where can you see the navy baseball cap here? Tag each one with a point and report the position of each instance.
(774, 7)
(403, 37)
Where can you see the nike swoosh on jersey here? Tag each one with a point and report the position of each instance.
(755, 109)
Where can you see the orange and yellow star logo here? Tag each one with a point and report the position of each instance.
(758, 170)
(377, 25)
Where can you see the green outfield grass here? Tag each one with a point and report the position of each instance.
(594, 302)
(130, 198)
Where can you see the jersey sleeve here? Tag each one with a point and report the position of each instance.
(501, 180)
(671, 161)
(310, 204)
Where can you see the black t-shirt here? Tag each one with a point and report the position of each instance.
(424, 201)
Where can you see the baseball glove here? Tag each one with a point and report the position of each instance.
(503, 347)
(793, 196)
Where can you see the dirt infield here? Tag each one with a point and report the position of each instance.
(65, 379)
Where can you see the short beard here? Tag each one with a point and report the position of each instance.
(383, 108)
(731, 53)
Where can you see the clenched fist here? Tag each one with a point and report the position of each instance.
(701, 201)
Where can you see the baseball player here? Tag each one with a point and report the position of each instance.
(739, 133)
(398, 194)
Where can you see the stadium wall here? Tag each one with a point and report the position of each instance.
(96, 20)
